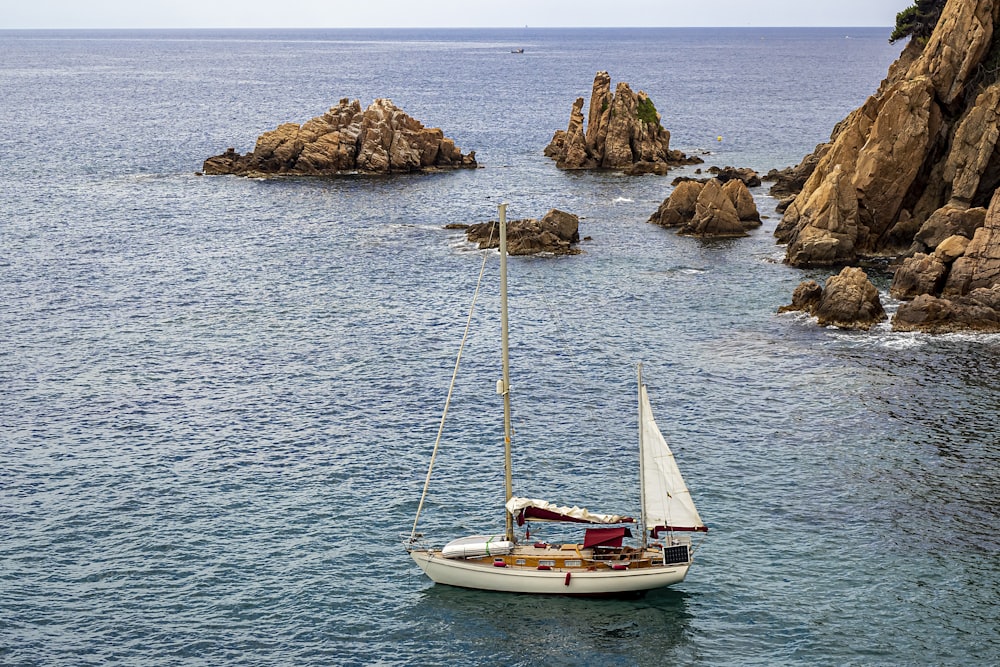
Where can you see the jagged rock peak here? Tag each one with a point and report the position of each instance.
(623, 132)
(380, 139)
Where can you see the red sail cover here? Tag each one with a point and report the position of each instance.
(539, 514)
(604, 537)
(533, 509)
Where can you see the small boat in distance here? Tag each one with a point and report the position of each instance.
(517, 50)
(599, 565)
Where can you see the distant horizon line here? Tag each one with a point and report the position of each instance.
(471, 27)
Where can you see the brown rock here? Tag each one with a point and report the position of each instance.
(951, 248)
(829, 220)
(957, 46)
(920, 274)
(715, 214)
(749, 177)
(599, 116)
(949, 221)
(805, 297)
(624, 132)
(973, 147)
(980, 265)
(679, 208)
(849, 301)
(902, 135)
(709, 208)
(574, 154)
(789, 181)
(746, 208)
(783, 205)
(380, 139)
(978, 311)
(921, 143)
(970, 296)
(555, 233)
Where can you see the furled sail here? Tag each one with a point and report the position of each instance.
(666, 499)
(532, 509)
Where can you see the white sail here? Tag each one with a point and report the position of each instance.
(666, 499)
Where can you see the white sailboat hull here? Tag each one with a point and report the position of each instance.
(483, 576)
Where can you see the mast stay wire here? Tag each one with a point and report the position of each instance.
(451, 389)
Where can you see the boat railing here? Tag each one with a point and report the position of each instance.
(413, 542)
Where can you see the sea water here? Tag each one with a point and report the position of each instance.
(218, 396)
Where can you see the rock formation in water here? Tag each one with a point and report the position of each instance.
(623, 132)
(709, 209)
(556, 233)
(749, 177)
(381, 139)
(915, 165)
(848, 301)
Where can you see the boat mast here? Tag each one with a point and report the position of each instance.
(642, 475)
(504, 387)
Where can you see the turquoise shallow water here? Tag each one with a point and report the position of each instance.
(219, 395)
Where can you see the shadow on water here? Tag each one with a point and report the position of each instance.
(528, 629)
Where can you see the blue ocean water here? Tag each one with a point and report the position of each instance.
(218, 396)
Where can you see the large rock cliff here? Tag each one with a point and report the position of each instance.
(623, 132)
(910, 167)
(380, 139)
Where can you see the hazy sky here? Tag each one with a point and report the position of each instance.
(442, 13)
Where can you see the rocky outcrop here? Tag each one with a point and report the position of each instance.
(977, 311)
(750, 178)
(678, 209)
(556, 233)
(623, 132)
(927, 139)
(790, 181)
(709, 209)
(920, 274)
(381, 139)
(946, 222)
(909, 175)
(848, 301)
(956, 287)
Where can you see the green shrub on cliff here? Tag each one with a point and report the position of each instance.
(646, 111)
(917, 21)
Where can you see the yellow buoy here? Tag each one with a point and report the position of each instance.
(719, 138)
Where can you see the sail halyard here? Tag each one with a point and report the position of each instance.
(505, 381)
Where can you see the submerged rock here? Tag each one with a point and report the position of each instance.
(381, 139)
(624, 132)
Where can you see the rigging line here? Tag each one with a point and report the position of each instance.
(451, 388)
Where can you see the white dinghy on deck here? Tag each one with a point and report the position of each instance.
(600, 565)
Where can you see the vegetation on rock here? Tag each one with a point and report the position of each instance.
(917, 21)
(646, 111)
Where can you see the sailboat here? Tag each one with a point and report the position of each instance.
(602, 564)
